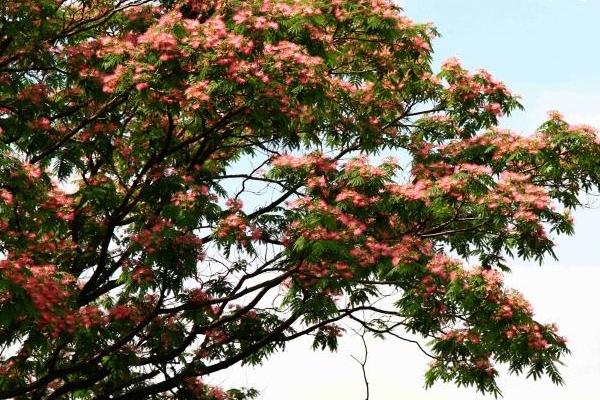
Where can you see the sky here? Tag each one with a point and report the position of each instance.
(546, 51)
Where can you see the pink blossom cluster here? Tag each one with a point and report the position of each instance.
(236, 225)
(6, 196)
(418, 191)
(111, 81)
(198, 93)
(216, 336)
(155, 36)
(203, 391)
(503, 141)
(289, 9)
(536, 339)
(432, 170)
(514, 301)
(240, 71)
(309, 273)
(246, 17)
(199, 297)
(361, 166)
(34, 93)
(455, 182)
(442, 266)
(49, 291)
(473, 169)
(353, 226)
(142, 75)
(61, 204)
(124, 312)
(184, 198)
(318, 183)
(404, 250)
(511, 306)
(208, 35)
(320, 233)
(42, 124)
(483, 363)
(356, 199)
(514, 190)
(116, 45)
(466, 86)
(461, 335)
(387, 10)
(285, 54)
(429, 287)
(151, 238)
(142, 274)
(315, 161)
(31, 171)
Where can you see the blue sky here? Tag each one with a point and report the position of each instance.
(523, 41)
(548, 51)
(535, 46)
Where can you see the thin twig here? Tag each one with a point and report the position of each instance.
(363, 362)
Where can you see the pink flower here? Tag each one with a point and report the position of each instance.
(235, 204)
(164, 41)
(198, 93)
(6, 196)
(110, 82)
(32, 171)
(121, 312)
(241, 16)
(256, 233)
(555, 115)
(421, 44)
(506, 311)
(495, 108)
(42, 123)
(451, 64)
(217, 393)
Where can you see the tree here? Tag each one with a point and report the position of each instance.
(132, 130)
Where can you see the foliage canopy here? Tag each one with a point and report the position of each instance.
(132, 131)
